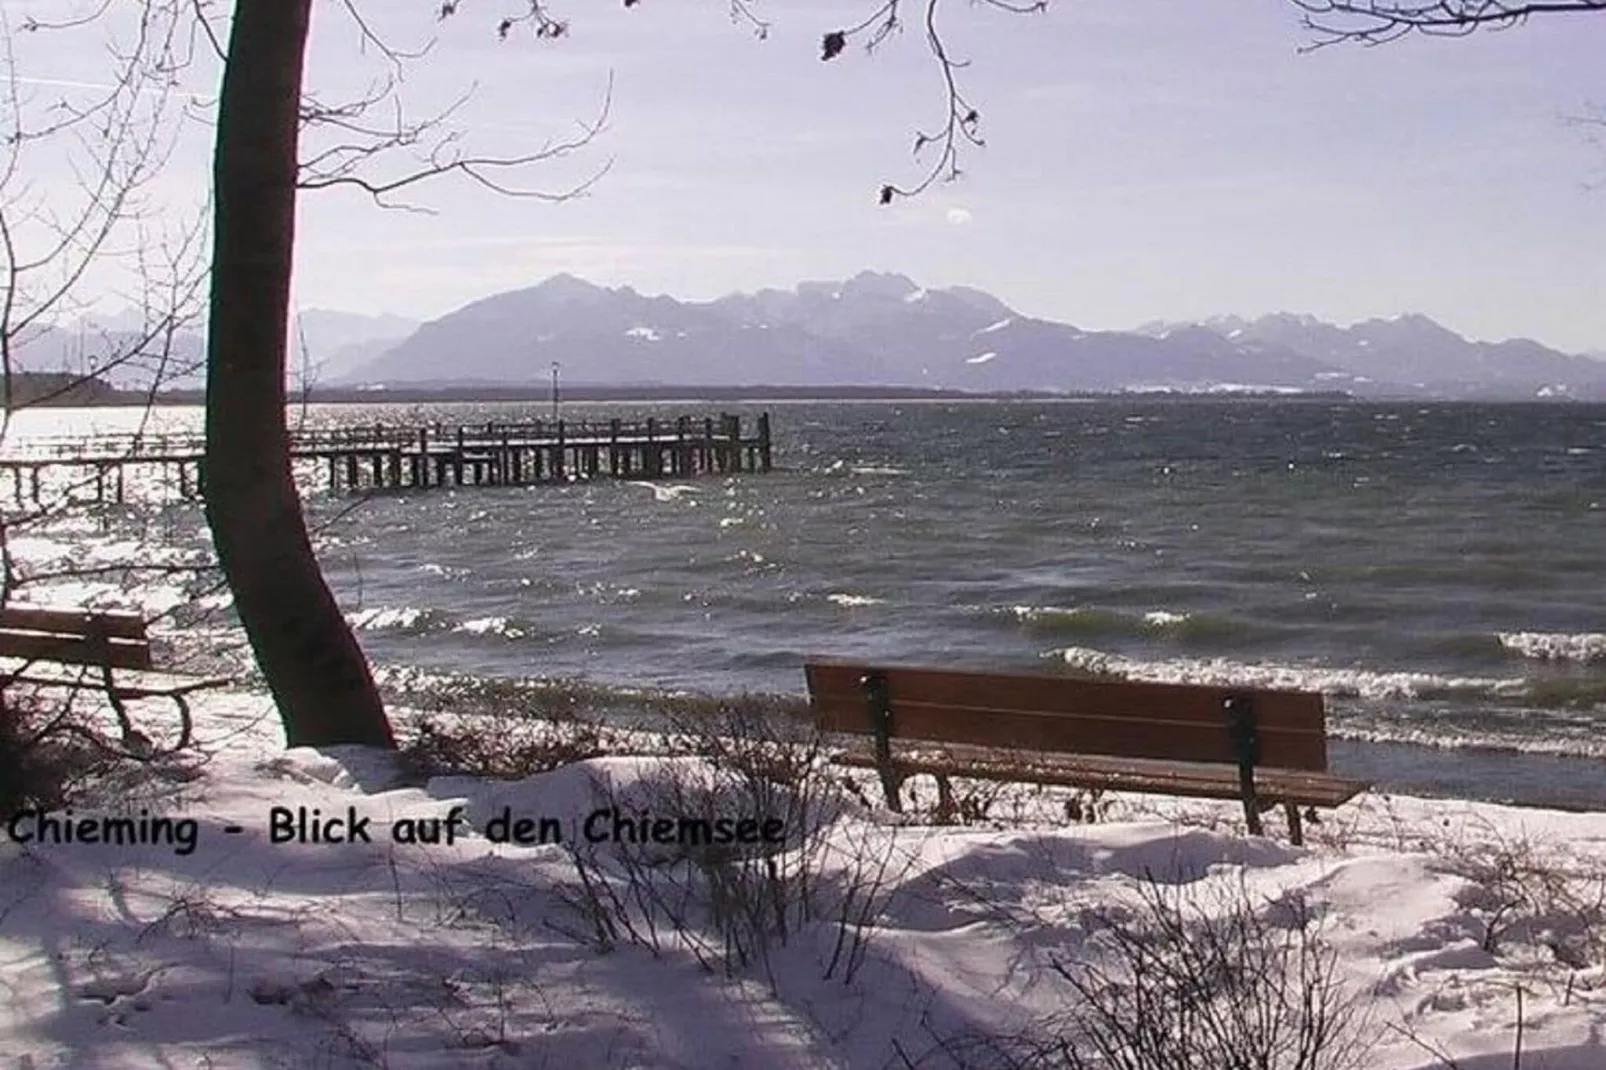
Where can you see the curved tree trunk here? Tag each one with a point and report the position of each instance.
(313, 665)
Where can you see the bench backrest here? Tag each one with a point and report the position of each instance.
(1057, 714)
(75, 636)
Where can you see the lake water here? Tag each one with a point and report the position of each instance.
(1435, 569)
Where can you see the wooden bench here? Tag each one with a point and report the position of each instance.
(1266, 748)
(106, 651)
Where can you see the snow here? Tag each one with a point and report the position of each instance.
(981, 358)
(914, 297)
(991, 327)
(648, 334)
(246, 953)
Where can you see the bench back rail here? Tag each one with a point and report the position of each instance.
(1177, 722)
(76, 637)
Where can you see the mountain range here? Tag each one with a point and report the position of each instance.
(130, 353)
(884, 329)
(874, 329)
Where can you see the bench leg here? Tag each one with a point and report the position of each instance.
(132, 736)
(1252, 815)
(892, 787)
(186, 722)
(947, 811)
(1296, 827)
(119, 707)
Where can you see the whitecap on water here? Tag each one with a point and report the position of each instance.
(1164, 618)
(851, 600)
(381, 618)
(492, 626)
(1223, 672)
(1556, 646)
(667, 493)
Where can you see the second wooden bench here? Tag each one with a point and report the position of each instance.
(105, 651)
(1266, 748)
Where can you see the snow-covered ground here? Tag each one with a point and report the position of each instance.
(887, 944)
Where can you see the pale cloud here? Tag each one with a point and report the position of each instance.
(959, 216)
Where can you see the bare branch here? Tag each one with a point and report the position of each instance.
(437, 149)
(396, 56)
(961, 125)
(33, 25)
(54, 236)
(1376, 22)
(741, 12)
(205, 26)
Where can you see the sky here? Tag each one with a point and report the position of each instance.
(1144, 160)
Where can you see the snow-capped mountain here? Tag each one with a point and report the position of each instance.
(885, 329)
(1413, 354)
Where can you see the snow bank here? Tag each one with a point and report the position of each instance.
(248, 953)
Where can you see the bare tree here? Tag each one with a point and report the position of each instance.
(62, 244)
(317, 673)
(78, 227)
(307, 653)
(81, 227)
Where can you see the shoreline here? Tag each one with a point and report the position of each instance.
(1485, 775)
(537, 394)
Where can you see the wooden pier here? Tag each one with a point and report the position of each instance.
(436, 455)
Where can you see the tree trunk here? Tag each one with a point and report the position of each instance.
(315, 669)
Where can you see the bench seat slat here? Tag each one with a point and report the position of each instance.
(1114, 774)
(76, 649)
(129, 683)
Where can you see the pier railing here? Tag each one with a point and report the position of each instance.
(312, 441)
(424, 455)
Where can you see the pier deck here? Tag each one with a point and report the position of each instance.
(433, 455)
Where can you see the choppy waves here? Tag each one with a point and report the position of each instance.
(1368, 684)
(418, 621)
(1557, 740)
(1540, 715)
(1363, 551)
(1096, 621)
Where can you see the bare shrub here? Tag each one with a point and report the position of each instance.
(778, 764)
(500, 747)
(731, 906)
(1182, 980)
(1085, 806)
(1527, 894)
(49, 751)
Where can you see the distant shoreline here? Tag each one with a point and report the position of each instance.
(57, 390)
(537, 394)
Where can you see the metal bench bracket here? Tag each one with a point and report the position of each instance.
(1240, 710)
(878, 700)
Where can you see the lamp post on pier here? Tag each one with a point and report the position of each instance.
(554, 390)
